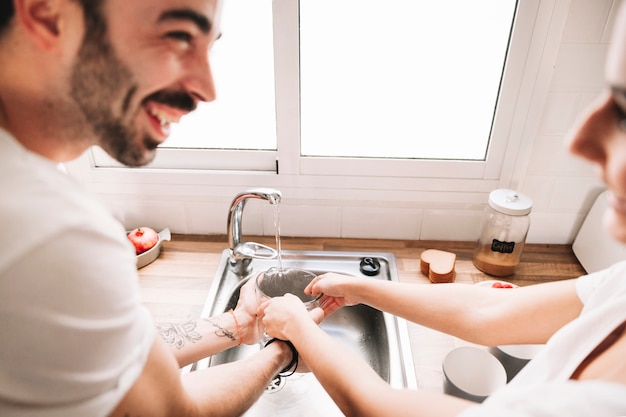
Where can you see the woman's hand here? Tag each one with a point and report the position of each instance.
(338, 291)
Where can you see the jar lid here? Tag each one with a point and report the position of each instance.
(510, 202)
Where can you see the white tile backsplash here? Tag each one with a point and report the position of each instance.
(567, 193)
(451, 225)
(211, 218)
(304, 220)
(560, 112)
(579, 67)
(382, 222)
(539, 189)
(611, 21)
(551, 158)
(133, 212)
(555, 228)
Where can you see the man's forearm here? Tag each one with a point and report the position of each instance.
(195, 339)
(230, 389)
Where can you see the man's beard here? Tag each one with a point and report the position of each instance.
(99, 81)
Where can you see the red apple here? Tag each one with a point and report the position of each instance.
(143, 238)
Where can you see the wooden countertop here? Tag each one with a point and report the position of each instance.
(175, 286)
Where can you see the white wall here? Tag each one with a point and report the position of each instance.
(563, 188)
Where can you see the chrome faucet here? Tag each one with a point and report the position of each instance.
(242, 253)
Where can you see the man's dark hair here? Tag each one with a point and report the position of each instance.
(7, 11)
(6, 14)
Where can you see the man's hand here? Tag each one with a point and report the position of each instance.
(246, 312)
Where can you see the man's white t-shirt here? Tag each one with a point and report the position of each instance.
(74, 336)
(543, 388)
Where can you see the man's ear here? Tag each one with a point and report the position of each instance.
(40, 18)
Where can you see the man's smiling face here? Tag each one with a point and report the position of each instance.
(141, 66)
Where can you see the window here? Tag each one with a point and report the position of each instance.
(411, 79)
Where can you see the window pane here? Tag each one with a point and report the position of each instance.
(402, 78)
(243, 116)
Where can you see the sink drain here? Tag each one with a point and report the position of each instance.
(276, 385)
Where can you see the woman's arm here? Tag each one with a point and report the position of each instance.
(348, 379)
(488, 316)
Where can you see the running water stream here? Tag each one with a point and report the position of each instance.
(300, 394)
(277, 231)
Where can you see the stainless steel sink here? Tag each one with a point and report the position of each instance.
(380, 338)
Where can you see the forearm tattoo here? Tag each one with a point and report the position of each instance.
(177, 334)
(221, 332)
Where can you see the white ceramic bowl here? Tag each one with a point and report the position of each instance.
(472, 373)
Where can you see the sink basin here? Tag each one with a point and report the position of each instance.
(380, 338)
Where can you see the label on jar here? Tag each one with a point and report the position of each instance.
(502, 247)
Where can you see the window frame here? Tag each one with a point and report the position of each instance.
(533, 49)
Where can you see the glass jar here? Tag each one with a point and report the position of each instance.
(503, 232)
